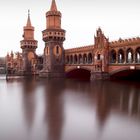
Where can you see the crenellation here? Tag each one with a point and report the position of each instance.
(125, 42)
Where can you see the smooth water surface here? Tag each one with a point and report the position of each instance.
(39, 109)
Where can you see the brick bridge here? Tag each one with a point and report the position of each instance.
(104, 58)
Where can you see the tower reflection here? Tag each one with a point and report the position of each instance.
(54, 113)
(29, 103)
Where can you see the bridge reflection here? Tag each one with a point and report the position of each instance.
(63, 99)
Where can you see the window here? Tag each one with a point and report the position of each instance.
(57, 49)
(98, 57)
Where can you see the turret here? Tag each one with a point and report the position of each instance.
(53, 17)
(28, 29)
(28, 45)
(53, 36)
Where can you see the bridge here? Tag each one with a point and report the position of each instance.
(104, 59)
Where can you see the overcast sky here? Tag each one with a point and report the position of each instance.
(80, 18)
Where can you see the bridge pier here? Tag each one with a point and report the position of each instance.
(99, 76)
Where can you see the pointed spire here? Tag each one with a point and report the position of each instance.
(53, 6)
(28, 20)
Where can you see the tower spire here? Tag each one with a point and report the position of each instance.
(53, 6)
(28, 20)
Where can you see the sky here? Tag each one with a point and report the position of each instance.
(80, 19)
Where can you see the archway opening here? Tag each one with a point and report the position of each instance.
(79, 74)
(113, 56)
(129, 56)
(121, 56)
(130, 75)
(137, 55)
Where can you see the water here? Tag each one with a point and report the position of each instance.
(34, 109)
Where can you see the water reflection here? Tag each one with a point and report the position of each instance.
(59, 109)
(29, 104)
(54, 112)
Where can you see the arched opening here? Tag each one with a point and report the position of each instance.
(89, 58)
(67, 59)
(80, 59)
(137, 55)
(71, 59)
(79, 74)
(84, 58)
(75, 59)
(113, 56)
(129, 56)
(120, 56)
(126, 75)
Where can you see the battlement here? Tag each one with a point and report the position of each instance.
(79, 49)
(125, 42)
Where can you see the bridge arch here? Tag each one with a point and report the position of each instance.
(78, 73)
(126, 74)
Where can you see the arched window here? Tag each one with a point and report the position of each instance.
(98, 57)
(57, 49)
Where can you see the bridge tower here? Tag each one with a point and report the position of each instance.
(28, 46)
(53, 36)
(101, 59)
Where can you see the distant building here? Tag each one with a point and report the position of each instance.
(2, 65)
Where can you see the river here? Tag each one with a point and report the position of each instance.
(58, 109)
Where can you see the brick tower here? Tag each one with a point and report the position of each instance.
(53, 36)
(28, 46)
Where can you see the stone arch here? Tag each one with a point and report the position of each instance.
(90, 58)
(121, 57)
(78, 73)
(129, 55)
(113, 56)
(119, 70)
(77, 67)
